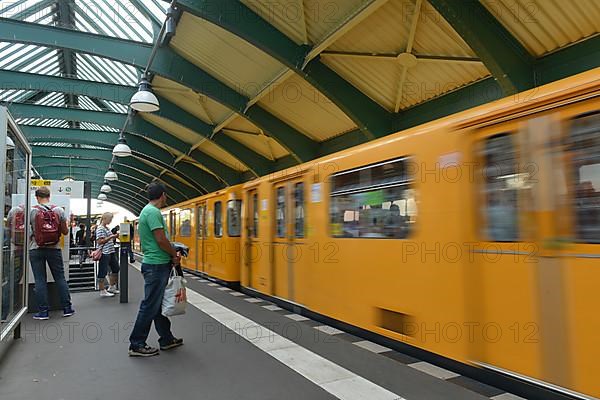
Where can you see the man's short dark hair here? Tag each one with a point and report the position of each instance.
(42, 192)
(155, 190)
(81, 226)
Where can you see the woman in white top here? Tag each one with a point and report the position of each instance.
(105, 238)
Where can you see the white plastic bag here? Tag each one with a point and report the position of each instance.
(170, 304)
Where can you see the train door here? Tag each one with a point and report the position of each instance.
(505, 331)
(289, 242)
(578, 303)
(200, 235)
(528, 300)
(253, 248)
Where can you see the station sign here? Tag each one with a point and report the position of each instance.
(72, 189)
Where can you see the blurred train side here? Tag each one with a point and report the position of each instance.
(470, 237)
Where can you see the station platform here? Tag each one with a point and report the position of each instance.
(236, 347)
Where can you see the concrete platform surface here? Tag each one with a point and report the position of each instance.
(234, 349)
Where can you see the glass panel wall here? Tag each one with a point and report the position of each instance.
(15, 159)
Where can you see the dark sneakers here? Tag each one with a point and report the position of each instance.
(145, 351)
(67, 312)
(42, 316)
(174, 343)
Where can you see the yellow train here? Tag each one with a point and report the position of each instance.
(475, 237)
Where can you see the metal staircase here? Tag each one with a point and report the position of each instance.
(81, 279)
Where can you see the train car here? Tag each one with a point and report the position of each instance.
(475, 237)
(211, 227)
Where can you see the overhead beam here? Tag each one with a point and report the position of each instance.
(128, 165)
(67, 57)
(257, 163)
(142, 131)
(139, 180)
(503, 55)
(45, 151)
(166, 63)
(156, 155)
(237, 18)
(96, 180)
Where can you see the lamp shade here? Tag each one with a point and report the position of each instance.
(106, 188)
(111, 175)
(10, 144)
(102, 197)
(144, 100)
(122, 149)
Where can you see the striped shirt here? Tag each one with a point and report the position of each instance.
(104, 232)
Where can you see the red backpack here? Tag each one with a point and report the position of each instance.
(46, 227)
(18, 227)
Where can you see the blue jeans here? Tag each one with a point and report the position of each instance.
(39, 257)
(156, 277)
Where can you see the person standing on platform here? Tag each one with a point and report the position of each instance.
(105, 240)
(48, 223)
(131, 233)
(80, 238)
(159, 257)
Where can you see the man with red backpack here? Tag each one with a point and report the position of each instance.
(48, 223)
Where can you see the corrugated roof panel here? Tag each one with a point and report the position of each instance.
(433, 79)
(194, 138)
(288, 16)
(230, 59)
(366, 55)
(435, 36)
(378, 79)
(546, 25)
(218, 153)
(173, 128)
(199, 105)
(305, 108)
(249, 135)
(325, 16)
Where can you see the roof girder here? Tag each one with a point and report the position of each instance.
(189, 171)
(502, 54)
(106, 154)
(121, 94)
(130, 166)
(122, 187)
(146, 131)
(168, 64)
(87, 169)
(237, 18)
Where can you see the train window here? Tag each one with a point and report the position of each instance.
(280, 213)
(234, 220)
(200, 221)
(501, 189)
(218, 219)
(584, 148)
(299, 210)
(254, 231)
(376, 201)
(185, 223)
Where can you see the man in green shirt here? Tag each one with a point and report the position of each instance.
(159, 257)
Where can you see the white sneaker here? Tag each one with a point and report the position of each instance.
(105, 293)
(113, 290)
